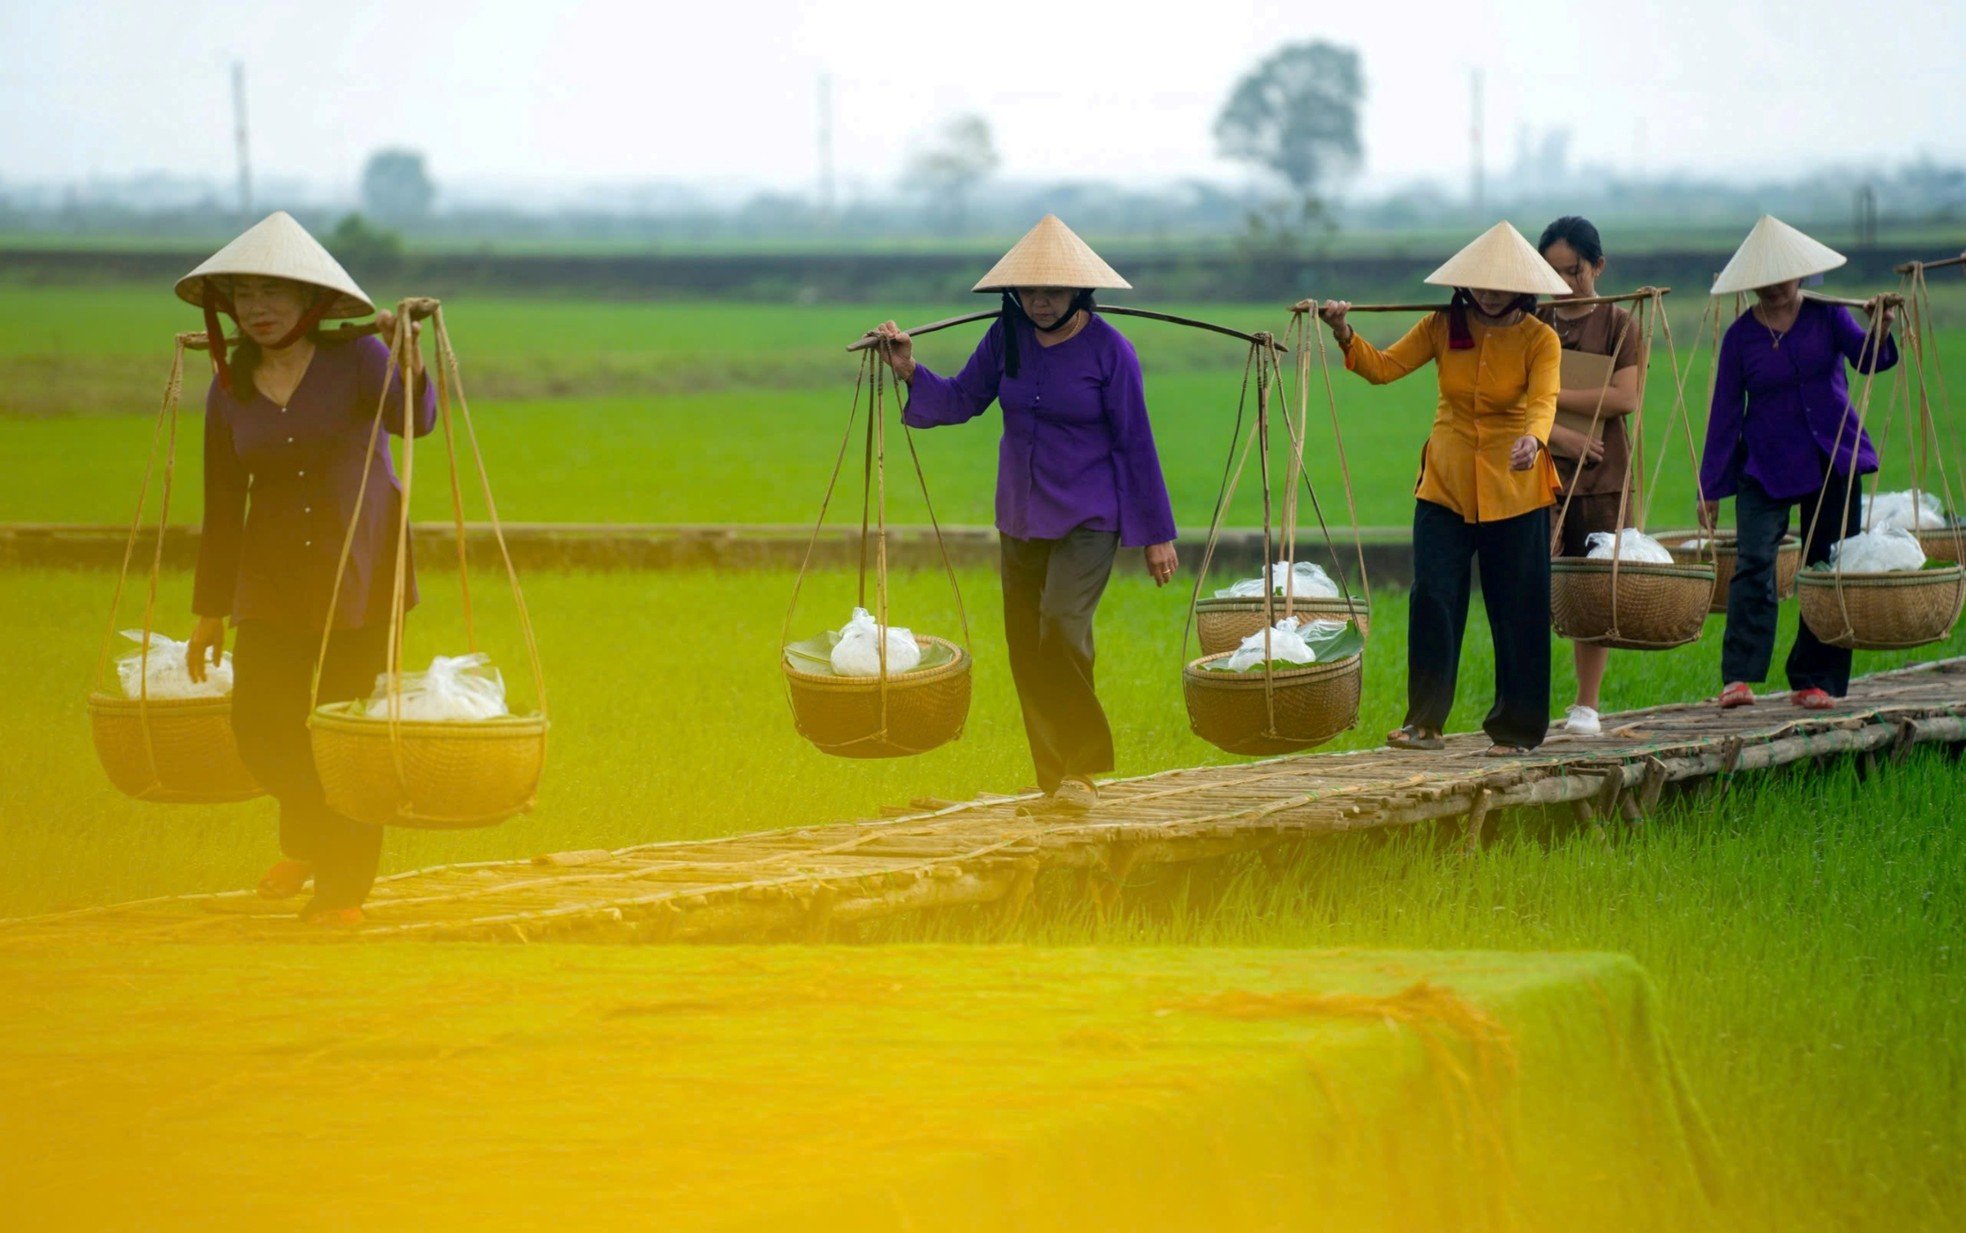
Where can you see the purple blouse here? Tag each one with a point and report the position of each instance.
(1077, 449)
(1777, 411)
(273, 558)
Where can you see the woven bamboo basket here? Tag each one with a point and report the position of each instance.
(1656, 606)
(1313, 703)
(189, 756)
(1882, 612)
(430, 776)
(1944, 544)
(1788, 559)
(842, 715)
(1222, 623)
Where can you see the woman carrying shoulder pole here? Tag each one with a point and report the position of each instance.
(1594, 468)
(1782, 436)
(1078, 478)
(1486, 484)
(288, 424)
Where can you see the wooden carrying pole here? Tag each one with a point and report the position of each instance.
(1889, 297)
(1913, 266)
(1643, 293)
(419, 307)
(867, 340)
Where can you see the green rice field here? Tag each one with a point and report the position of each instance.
(1803, 928)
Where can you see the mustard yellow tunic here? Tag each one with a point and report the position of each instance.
(1491, 394)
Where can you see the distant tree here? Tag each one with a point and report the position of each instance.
(396, 187)
(357, 242)
(960, 156)
(1295, 115)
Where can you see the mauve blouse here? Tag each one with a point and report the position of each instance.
(280, 486)
(1779, 411)
(1077, 448)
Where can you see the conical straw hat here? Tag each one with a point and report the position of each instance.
(1774, 252)
(1051, 255)
(1499, 259)
(279, 247)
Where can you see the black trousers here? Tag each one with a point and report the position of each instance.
(272, 670)
(1515, 588)
(1760, 521)
(1051, 588)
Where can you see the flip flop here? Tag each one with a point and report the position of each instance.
(285, 879)
(1412, 736)
(1812, 700)
(1499, 750)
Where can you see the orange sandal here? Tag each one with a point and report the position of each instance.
(286, 879)
(1812, 699)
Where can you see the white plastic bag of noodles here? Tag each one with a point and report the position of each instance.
(1878, 552)
(1300, 579)
(1633, 545)
(1292, 640)
(454, 688)
(858, 652)
(166, 675)
(1905, 511)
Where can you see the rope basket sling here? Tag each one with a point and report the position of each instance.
(1633, 605)
(1788, 559)
(165, 750)
(890, 714)
(1281, 708)
(1900, 609)
(431, 775)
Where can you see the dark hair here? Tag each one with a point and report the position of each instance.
(1576, 231)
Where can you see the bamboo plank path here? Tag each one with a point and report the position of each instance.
(799, 883)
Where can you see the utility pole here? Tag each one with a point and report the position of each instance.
(239, 131)
(826, 147)
(1476, 194)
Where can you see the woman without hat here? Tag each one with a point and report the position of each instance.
(1593, 468)
(1077, 479)
(1486, 484)
(1783, 436)
(287, 435)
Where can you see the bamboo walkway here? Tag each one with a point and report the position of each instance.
(801, 883)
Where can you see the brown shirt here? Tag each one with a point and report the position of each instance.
(1598, 334)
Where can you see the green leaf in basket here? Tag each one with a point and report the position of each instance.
(815, 655)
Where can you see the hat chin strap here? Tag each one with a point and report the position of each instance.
(1013, 310)
(217, 301)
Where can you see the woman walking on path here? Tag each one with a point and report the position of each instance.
(1078, 478)
(1594, 469)
(287, 434)
(1783, 436)
(1485, 487)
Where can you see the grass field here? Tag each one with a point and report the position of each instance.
(1804, 931)
(719, 412)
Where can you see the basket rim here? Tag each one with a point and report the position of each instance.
(335, 716)
(1817, 576)
(1691, 570)
(1240, 603)
(1300, 675)
(920, 676)
(102, 700)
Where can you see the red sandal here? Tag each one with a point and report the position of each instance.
(1737, 693)
(286, 879)
(1812, 699)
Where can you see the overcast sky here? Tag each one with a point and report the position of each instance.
(725, 92)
